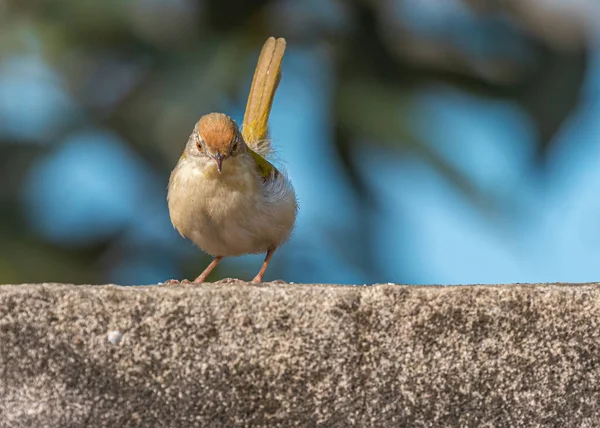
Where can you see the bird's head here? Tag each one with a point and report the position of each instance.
(216, 137)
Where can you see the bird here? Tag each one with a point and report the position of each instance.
(223, 194)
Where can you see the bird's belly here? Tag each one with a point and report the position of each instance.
(229, 217)
(228, 231)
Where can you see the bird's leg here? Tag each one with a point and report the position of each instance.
(208, 270)
(259, 276)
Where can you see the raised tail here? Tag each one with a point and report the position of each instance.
(255, 128)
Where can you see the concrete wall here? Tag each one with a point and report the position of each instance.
(299, 355)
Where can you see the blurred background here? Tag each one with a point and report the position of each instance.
(429, 141)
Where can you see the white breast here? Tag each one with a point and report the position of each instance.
(232, 213)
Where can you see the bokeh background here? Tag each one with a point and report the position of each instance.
(429, 141)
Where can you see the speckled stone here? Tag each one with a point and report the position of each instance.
(235, 354)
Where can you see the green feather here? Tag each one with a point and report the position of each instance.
(265, 169)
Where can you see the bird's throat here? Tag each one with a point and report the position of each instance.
(233, 175)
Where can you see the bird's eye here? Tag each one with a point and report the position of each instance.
(234, 146)
(199, 145)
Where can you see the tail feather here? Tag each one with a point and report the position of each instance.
(255, 128)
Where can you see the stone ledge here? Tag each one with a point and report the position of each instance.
(299, 355)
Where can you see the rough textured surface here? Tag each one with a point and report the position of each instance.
(299, 355)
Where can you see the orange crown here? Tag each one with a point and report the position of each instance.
(217, 130)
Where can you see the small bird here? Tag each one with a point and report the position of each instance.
(224, 195)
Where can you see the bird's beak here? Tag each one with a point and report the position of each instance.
(218, 158)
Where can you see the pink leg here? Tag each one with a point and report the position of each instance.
(259, 276)
(208, 270)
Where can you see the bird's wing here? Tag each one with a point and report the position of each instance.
(265, 169)
(255, 128)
